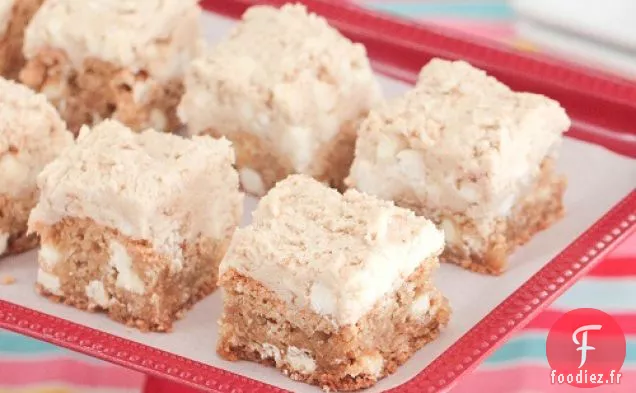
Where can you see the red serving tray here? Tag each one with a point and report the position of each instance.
(603, 109)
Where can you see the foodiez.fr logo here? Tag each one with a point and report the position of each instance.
(586, 348)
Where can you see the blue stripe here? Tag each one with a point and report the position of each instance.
(11, 343)
(486, 10)
(526, 347)
(531, 347)
(608, 295)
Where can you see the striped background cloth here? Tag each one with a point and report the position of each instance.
(487, 19)
(520, 366)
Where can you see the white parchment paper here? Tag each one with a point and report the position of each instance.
(597, 179)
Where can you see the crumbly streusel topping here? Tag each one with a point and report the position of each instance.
(335, 254)
(284, 75)
(157, 36)
(153, 186)
(459, 142)
(31, 135)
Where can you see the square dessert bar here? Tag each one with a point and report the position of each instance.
(474, 156)
(112, 59)
(334, 290)
(135, 224)
(288, 90)
(31, 135)
(14, 17)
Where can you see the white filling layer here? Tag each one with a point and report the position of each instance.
(50, 282)
(300, 360)
(126, 276)
(96, 292)
(4, 242)
(49, 256)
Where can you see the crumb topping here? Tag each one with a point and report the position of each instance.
(31, 135)
(336, 254)
(157, 36)
(152, 186)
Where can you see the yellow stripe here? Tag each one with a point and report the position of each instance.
(524, 45)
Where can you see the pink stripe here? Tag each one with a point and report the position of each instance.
(547, 318)
(529, 379)
(627, 248)
(491, 29)
(71, 371)
(612, 266)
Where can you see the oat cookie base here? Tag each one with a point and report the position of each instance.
(535, 211)
(331, 163)
(253, 315)
(101, 90)
(84, 249)
(14, 214)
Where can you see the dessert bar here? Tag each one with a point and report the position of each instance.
(135, 224)
(31, 135)
(112, 59)
(334, 290)
(466, 151)
(288, 90)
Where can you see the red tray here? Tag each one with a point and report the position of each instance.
(603, 108)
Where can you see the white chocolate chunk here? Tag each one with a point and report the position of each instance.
(300, 360)
(49, 256)
(4, 242)
(96, 292)
(270, 351)
(127, 278)
(421, 305)
(49, 281)
(369, 365)
(251, 181)
(451, 234)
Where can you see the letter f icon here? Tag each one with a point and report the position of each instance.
(583, 344)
